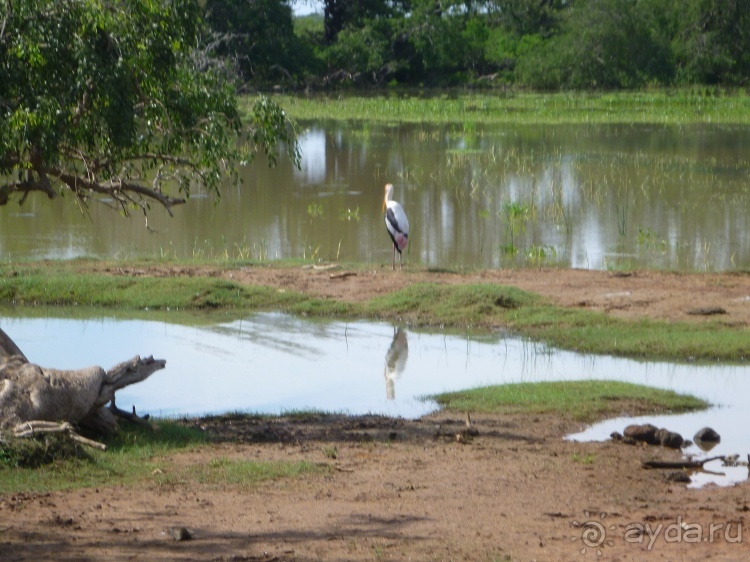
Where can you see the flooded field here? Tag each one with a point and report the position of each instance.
(594, 197)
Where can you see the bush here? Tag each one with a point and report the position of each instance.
(603, 44)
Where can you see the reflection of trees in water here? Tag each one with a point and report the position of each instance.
(395, 361)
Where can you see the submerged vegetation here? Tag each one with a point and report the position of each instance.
(538, 169)
(664, 107)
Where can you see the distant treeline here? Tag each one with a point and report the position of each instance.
(535, 44)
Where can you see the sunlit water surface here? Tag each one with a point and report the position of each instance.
(273, 363)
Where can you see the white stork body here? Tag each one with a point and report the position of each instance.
(396, 223)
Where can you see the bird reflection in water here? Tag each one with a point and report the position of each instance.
(395, 361)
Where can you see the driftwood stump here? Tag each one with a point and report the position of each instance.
(30, 393)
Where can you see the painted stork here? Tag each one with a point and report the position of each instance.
(396, 223)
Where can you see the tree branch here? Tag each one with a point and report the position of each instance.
(25, 187)
(8, 348)
(127, 373)
(31, 428)
(116, 189)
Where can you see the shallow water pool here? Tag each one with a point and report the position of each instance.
(274, 363)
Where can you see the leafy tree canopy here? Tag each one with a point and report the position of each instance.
(259, 36)
(541, 44)
(114, 99)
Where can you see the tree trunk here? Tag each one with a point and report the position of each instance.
(29, 392)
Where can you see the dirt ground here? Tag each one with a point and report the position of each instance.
(637, 294)
(428, 489)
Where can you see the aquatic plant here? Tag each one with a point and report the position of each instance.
(311, 253)
(483, 215)
(315, 210)
(349, 214)
(516, 215)
(623, 202)
(538, 255)
(650, 240)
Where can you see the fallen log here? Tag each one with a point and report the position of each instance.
(30, 393)
(30, 428)
(129, 416)
(683, 464)
(342, 275)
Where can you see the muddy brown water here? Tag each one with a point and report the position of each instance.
(594, 197)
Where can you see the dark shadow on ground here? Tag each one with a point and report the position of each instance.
(299, 429)
(60, 543)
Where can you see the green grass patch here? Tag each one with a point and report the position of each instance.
(484, 306)
(246, 473)
(595, 332)
(135, 455)
(455, 306)
(52, 462)
(583, 459)
(191, 300)
(678, 106)
(581, 400)
(77, 284)
(36, 286)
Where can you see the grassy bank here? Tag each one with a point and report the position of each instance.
(666, 107)
(585, 401)
(137, 455)
(141, 455)
(199, 298)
